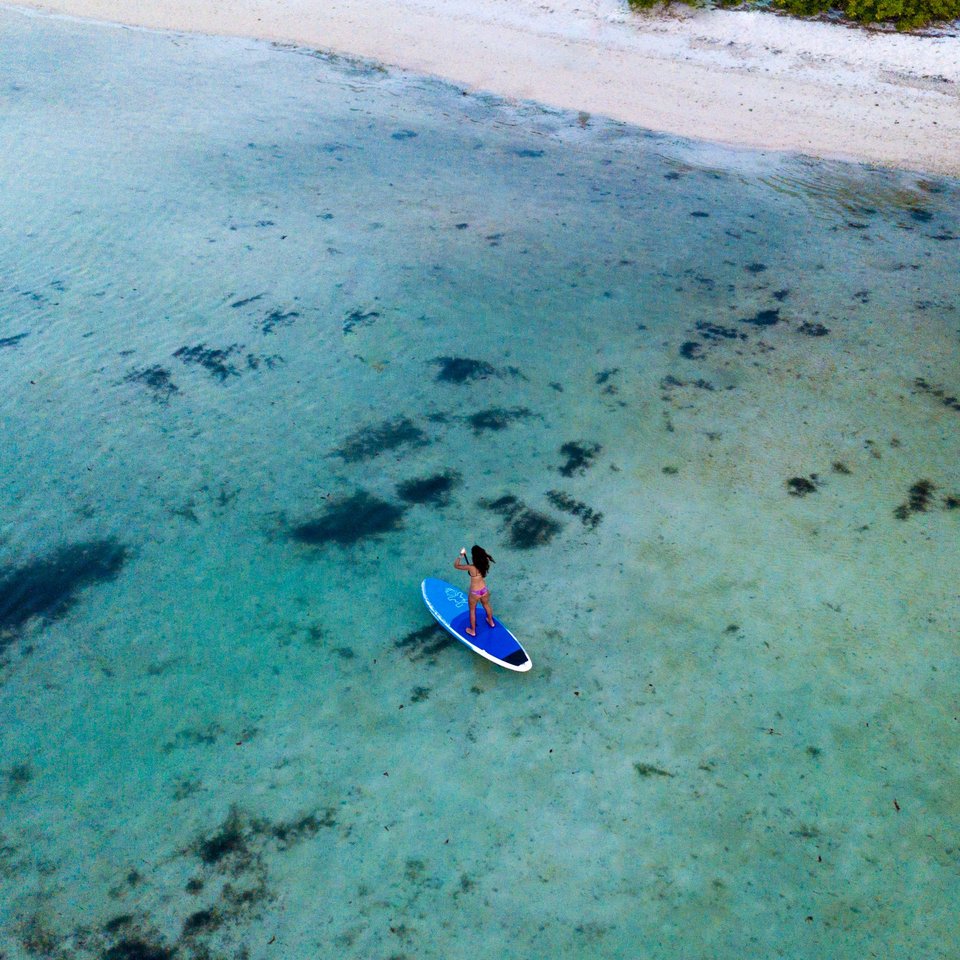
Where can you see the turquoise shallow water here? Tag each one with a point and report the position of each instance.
(279, 334)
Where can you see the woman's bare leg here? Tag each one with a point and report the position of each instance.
(485, 600)
(472, 629)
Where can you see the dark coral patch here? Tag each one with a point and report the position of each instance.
(277, 318)
(529, 528)
(462, 369)
(496, 418)
(919, 498)
(254, 361)
(246, 301)
(388, 435)
(948, 400)
(526, 528)
(506, 506)
(350, 520)
(801, 486)
(763, 318)
(288, 834)
(136, 949)
(670, 382)
(921, 494)
(11, 341)
(359, 318)
(580, 456)
(229, 842)
(811, 329)
(424, 644)
(239, 850)
(435, 489)
(48, 587)
(650, 770)
(17, 777)
(714, 331)
(589, 517)
(156, 379)
(202, 921)
(691, 349)
(194, 737)
(215, 362)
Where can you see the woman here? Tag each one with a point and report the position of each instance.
(478, 586)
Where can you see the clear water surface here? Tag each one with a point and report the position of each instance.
(278, 334)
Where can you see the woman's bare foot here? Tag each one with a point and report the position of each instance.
(490, 623)
(470, 633)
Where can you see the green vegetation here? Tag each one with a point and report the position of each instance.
(903, 14)
(906, 14)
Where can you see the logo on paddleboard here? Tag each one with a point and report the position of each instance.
(456, 597)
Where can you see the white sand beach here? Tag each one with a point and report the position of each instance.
(746, 79)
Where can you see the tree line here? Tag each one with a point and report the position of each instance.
(903, 14)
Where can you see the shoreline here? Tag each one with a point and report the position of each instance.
(742, 79)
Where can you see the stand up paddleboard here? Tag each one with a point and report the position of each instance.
(452, 611)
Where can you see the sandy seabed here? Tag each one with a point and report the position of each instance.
(745, 79)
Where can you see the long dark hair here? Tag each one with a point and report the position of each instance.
(481, 559)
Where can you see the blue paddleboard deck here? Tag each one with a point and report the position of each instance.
(450, 607)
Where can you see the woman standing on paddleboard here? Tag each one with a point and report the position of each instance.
(478, 585)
